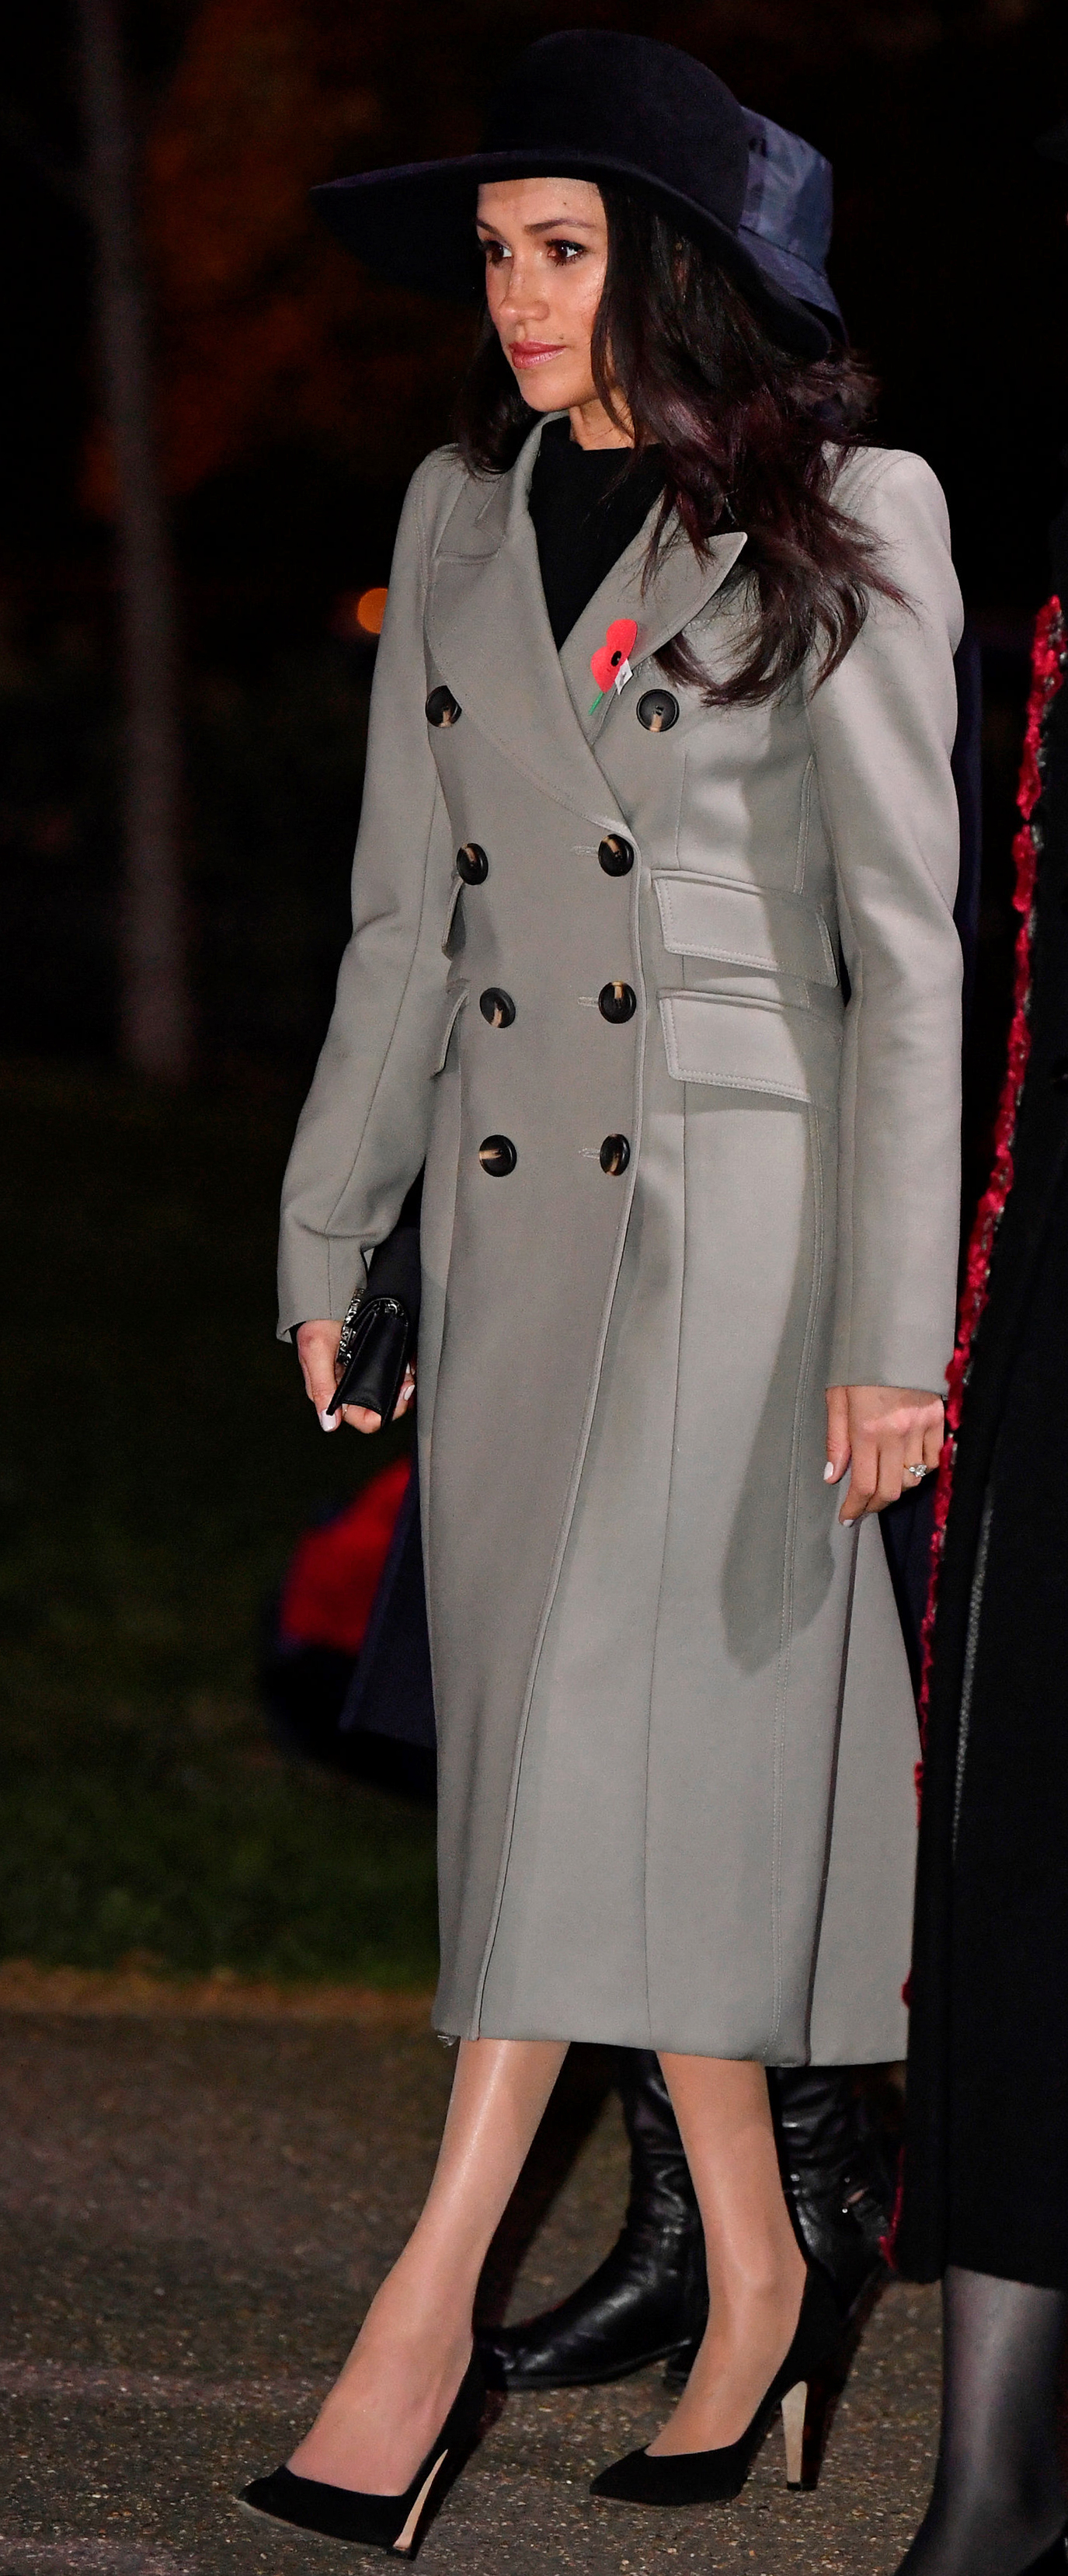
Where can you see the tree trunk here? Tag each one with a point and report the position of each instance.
(156, 1032)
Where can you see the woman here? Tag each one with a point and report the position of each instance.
(661, 733)
(985, 2203)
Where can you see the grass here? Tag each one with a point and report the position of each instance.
(159, 1459)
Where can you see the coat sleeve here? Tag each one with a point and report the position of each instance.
(882, 731)
(362, 1134)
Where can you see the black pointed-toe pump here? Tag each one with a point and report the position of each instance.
(714, 2477)
(395, 2523)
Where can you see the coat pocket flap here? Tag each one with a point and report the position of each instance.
(454, 1002)
(744, 1045)
(743, 925)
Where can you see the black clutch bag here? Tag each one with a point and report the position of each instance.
(379, 1334)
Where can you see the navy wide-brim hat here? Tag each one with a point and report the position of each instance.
(596, 105)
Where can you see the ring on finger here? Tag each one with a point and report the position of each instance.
(919, 1472)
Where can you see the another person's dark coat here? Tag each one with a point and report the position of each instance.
(986, 2163)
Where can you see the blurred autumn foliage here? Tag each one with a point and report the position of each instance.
(265, 329)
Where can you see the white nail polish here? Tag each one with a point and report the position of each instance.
(828, 1472)
(329, 1421)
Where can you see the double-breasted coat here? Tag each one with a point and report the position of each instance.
(675, 1186)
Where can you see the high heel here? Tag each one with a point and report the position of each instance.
(714, 2477)
(395, 2523)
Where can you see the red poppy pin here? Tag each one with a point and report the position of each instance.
(610, 664)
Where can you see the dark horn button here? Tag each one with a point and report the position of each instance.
(472, 863)
(497, 1156)
(442, 708)
(615, 855)
(1058, 1073)
(617, 1002)
(497, 1007)
(657, 711)
(615, 1154)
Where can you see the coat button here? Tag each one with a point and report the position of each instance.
(615, 855)
(617, 1002)
(472, 864)
(1058, 1073)
(497, 1007)
(442, 708)
(657, 711)
(497, 1156)
(615, 1154)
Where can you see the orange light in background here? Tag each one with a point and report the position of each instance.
(359, 613)
(371, 609)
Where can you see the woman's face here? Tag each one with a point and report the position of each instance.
(546, 246)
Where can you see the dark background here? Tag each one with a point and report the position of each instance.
(159, 1460)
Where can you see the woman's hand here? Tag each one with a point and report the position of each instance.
(884, 1430)
(317, 1353)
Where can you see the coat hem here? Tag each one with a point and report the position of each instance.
(593, 2032)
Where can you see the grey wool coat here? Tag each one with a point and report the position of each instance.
(675, 1186)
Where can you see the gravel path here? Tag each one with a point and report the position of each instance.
(195, 2212)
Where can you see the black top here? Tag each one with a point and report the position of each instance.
(587, 507)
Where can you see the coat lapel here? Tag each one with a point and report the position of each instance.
(489, 631)
(682, 586)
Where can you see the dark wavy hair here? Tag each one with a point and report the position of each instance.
(752, 437)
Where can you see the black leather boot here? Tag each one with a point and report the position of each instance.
(837, 2178)
(648, 2300)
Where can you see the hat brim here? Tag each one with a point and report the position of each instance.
(797, 278)
(414, 226)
